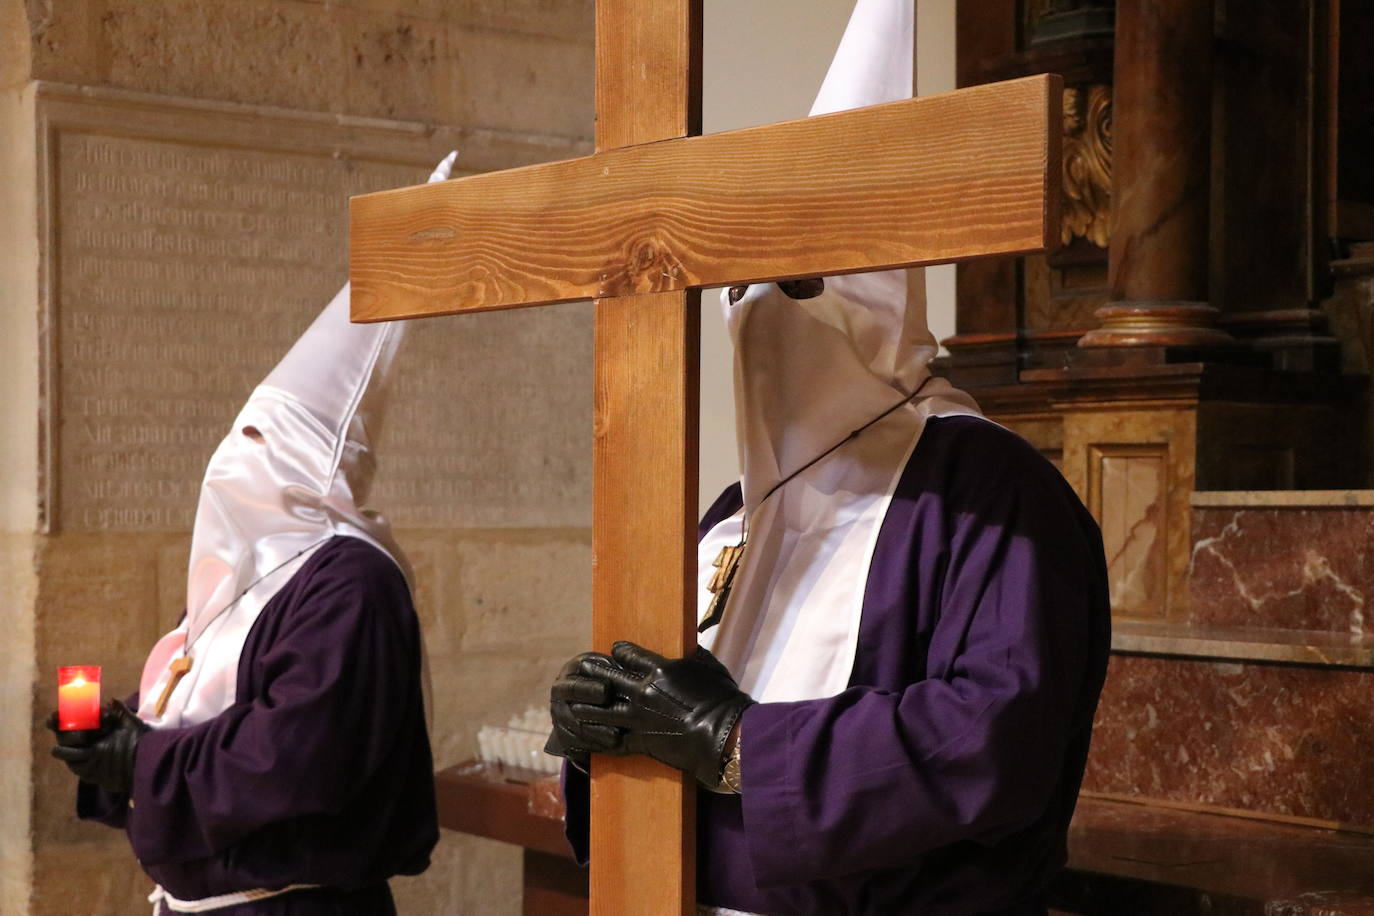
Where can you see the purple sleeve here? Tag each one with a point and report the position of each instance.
(577, 812)
(95, 804)
(871, 778)
(335, 672)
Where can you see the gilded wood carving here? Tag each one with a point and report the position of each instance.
(1087, 164)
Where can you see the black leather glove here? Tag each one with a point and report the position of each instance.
(105, 756)
(679, 711)
(572, 738)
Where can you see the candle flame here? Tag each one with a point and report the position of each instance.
(77, 681)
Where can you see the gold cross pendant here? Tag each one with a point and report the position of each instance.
(727, 565)
(179, 668)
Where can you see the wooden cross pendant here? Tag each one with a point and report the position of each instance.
(727, 565)
(180, 667)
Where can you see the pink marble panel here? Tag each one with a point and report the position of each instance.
(1286, 740)
(1283, 566)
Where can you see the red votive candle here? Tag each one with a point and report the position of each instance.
(78, 697)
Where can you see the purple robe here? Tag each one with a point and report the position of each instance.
(943, 779)
(320, 773)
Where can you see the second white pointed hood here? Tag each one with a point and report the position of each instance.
(296, 466)
(294, 471)
(808, 372)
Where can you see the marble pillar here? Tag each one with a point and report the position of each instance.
(1158, 266)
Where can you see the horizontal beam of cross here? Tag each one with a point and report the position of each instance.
(943, 178)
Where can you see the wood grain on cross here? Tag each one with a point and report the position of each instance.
(655, 214)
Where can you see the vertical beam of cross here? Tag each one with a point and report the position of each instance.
(648, 88)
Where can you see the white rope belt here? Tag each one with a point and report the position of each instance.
(159, 898)
(721, 911)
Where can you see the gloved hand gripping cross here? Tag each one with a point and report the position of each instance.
(679, 711)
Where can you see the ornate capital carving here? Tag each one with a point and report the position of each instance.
(1087, 164)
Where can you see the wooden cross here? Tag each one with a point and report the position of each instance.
(640, 226)
(179, 668)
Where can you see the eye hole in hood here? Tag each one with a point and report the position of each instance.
(805, 288)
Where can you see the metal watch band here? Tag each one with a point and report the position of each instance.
(730, 776)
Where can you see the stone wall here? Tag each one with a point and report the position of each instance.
(18, 463)
(183, 169)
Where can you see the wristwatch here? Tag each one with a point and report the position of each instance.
(731, 782)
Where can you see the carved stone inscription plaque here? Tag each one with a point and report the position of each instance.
(182, 271)
(185, 270)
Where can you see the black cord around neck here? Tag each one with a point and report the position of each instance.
(854, 434)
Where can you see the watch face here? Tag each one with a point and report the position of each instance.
(730, 776)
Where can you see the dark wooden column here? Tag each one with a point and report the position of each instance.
(984, 349)
(1271, 93)
(1158, 273)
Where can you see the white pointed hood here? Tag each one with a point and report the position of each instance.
(809, 371)
(294, 471)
